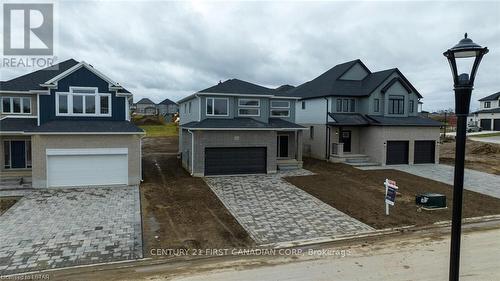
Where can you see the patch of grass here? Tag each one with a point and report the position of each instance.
(167, 130)
(486, 135)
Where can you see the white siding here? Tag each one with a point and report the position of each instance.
(314, 113)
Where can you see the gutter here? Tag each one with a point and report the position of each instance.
(192, 151)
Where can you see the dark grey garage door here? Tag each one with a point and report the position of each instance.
(235, 160)
(424, 152)
(486, 124)
(397, 152)
(496, 124)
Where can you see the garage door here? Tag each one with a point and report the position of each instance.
(87, 167)
(235, 160)
(424, 152)
(397, 152)
(496, 124)
(486, 124)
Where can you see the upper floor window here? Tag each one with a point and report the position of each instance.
(16, 105)
(303, 105)
(346, 105)
(412, 106)
(217, 107)
(376, 105)
(83, 101)
(487, 104)
(396, 105)
(189, 108)
(249, 107)
(280, 108)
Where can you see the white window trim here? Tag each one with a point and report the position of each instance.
(485, 103)
(251, 108)
(287, 107)
(280, 109)
(244, 105)
(11, 101)
(213, 104)
(97, 103)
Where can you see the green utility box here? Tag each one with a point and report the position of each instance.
(431, 200)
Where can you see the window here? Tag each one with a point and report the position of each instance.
(376, 105)
(16, 105)
(411, 106)
(487, 104)
(189, 108)
(6, 153)
(185, 108)
(83, 101)
(250, 107)
(249, 102)
(311, 132)
(396, 105)
(345, 105)
(217, 107)
(249, 112)
(303, 105)
(280, 104)
(280, 108)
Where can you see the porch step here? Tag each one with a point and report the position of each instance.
(291, 164)
(362, 164)
(357, 159)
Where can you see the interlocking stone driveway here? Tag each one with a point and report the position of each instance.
(480, 182)
(65, 227)
(272, 210)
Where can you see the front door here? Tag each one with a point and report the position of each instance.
(345, 137)
(18, 154)
(282, 146)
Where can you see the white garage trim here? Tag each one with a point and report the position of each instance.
(86, 167)
(87, 151)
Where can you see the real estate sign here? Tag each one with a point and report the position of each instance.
(390, 194)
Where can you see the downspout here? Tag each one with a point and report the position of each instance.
(192, 151)
(327, 131)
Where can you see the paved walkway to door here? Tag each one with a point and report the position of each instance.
(272, 210)
(64, 227)
(480, 182)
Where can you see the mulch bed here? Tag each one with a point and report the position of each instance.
(360, 194)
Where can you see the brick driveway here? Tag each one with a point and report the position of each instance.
(272, 210)
(65, 227)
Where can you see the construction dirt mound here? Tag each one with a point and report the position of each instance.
(148, 120)
(486, 149)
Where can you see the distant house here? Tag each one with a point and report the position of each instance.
(488, 114)
(167, 107)
(147, 107)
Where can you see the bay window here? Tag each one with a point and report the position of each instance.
(83, 101)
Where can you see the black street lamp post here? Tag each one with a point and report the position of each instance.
(463, 85)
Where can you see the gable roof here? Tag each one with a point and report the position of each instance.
(284, 88)
(32, 81)
(330, 84)
(39, 80)
(236, 86)
(494, 96)
(145, 101)
(167, 102)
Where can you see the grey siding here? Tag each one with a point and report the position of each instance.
(314, 147)
(356, 72)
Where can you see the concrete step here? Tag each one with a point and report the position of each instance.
(10, 180)
(363, 164)
(357, 159)
(291, 164)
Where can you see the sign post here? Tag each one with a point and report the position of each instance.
(390, 194)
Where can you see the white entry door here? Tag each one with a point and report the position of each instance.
(87, 167)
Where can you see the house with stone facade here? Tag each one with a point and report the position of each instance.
(68, 125)
(362, 117)
(488, 115)
(237, 127)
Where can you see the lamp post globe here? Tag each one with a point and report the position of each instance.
(463, 82)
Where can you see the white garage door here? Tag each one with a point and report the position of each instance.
(83, 167)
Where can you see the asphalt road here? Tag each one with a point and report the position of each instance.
(415, 259)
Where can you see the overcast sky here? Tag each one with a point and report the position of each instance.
(171, 49)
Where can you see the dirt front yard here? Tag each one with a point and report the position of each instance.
(480, 156)
(360, 194)
(181, 210)
(6, 203)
